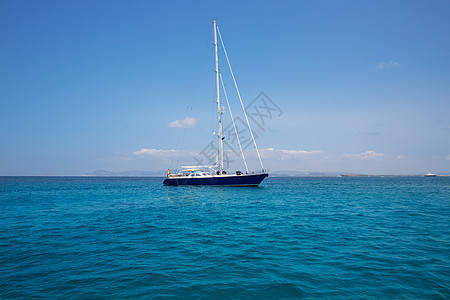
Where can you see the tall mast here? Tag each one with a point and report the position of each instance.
(219, 109)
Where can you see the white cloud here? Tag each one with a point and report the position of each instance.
(161, 154)
(447, 157)
(153, 152)
(401, 156)
(385, 65)
(300, 153)
(187, 122)
(152, 159)
(282, 154)
(368, 155)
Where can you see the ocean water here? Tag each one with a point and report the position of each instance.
(133, 238)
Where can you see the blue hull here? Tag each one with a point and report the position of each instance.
(241, 180)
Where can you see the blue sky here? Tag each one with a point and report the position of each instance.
(364, 86)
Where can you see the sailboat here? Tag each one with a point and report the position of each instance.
(215, 175)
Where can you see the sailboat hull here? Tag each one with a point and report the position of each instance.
(223, 180)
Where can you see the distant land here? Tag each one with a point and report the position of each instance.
(162, 173)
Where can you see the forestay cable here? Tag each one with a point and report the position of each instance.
(239, 95)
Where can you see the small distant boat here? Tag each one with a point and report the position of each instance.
(217, 176)
(430, 175)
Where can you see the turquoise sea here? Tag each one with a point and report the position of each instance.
(133, 238)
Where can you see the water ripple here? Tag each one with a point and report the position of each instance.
(129, 238)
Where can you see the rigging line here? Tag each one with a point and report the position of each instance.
(192, 97)
(234, 125)
(239, 95)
